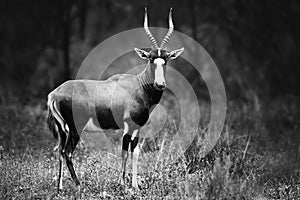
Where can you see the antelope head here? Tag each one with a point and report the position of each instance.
(158, 56)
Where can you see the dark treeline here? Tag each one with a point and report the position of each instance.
(254, 43)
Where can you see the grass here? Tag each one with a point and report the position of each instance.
(256, 157)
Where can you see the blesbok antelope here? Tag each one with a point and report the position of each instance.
(122, 101)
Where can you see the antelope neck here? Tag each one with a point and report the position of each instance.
(146, 80)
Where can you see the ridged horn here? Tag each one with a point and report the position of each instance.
(169, 33)
(148, 33)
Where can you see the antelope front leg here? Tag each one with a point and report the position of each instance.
(60, 173)
(134, 157)
(124, 161)
(124, 153)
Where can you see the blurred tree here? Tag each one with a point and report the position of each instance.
(264, 39)
(255, 43)
(28, 27)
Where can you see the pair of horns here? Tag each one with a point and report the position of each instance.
(151, 37)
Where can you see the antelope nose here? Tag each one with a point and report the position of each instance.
(160, 86)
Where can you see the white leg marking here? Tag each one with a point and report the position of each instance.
(126, 128)
(63, 124)
(135, 158)
(134, 134)
(58, 141)
(58, 117)
(124, 156)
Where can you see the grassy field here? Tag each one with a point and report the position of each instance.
(256, 157)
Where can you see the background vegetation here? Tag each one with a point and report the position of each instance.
(256, 47)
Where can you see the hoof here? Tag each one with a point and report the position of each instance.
(121, 181)
(135, 186)
(59, 188)
(77, 183)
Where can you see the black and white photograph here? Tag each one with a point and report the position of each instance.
(128, 99)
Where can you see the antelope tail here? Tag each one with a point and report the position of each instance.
(57, 124)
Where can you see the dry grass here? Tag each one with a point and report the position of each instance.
(252, 160)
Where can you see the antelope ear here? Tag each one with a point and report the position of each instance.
(143, 54)
(174, 54)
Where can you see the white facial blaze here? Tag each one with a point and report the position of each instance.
(159, 77)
